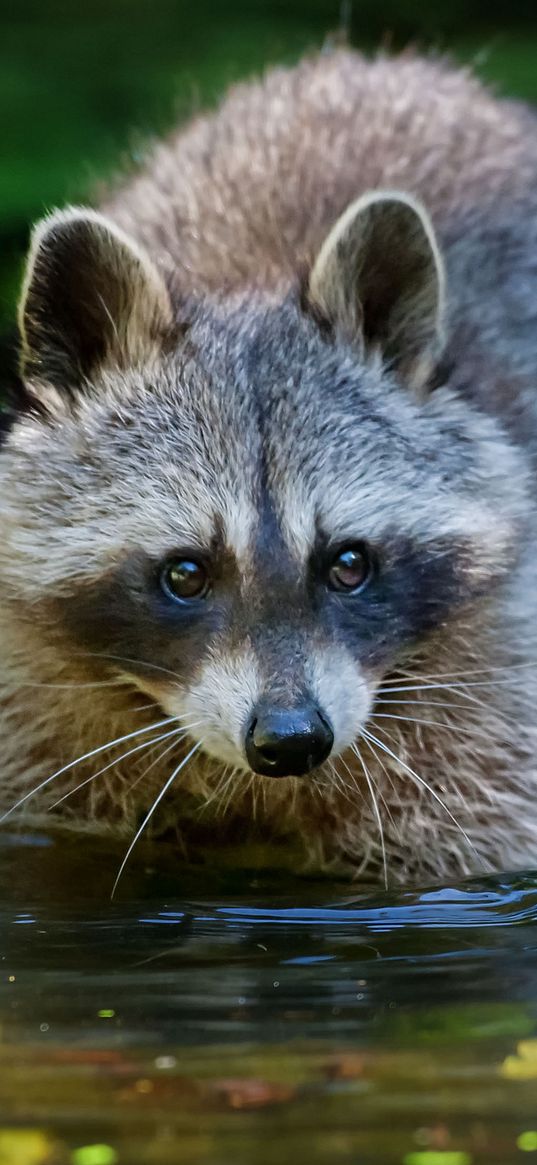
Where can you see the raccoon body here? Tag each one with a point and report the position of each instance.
(267, 521)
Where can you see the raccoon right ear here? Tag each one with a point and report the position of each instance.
(90, 296)
(379, 282)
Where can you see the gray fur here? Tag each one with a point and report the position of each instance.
(225, 403)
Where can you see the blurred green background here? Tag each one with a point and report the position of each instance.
(83, 85)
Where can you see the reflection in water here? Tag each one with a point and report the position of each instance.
(239, 1018)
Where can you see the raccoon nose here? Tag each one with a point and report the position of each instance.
(282, 743)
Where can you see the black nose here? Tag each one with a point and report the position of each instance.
(282, 743)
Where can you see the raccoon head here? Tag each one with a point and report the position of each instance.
(251, 506)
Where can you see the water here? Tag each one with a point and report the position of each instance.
(239, 1019)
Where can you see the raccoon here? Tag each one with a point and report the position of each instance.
(268, 538)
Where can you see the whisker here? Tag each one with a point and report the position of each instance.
(86, 756)
(176, 732)
(219, 788)
(156, 761)
(433, 723)
(126, 659)
(376, 811)
(336, 777)
(447, 687)
(459, 689)
(355, 788)
(379, 793)
(446, 783)
(394, 739)
(121, 682)
(253, 789)
(222, 784)
(149, 815)
(425, 704)
(391, 782)
(345, 787)
(143, 707)
(470, 697)
(415, 776)
(110, 765)
(509, 667)
(338, 782)
(224, 804)
(317, 788)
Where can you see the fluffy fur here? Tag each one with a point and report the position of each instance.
(228, 360)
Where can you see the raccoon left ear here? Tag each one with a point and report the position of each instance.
(379, 282)
(90, 295)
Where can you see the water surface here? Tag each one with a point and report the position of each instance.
(227, 1020)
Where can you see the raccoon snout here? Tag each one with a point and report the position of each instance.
(285, 743)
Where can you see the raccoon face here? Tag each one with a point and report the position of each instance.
(252, 508)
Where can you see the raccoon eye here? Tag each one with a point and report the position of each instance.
(184, 579)
(350, 569)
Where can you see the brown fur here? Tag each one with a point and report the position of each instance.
(193, 388)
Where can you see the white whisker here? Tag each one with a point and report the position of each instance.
(376, 811)
(509, 667)
(433, 723)
(425, 704)
(220, 784)
(254, 786)
(470, 697)
(459, 690)
(380, 794)
(149, 815)
(224, 804)
(219, 788)
(160, 757)
(86, 756)
(76, 685)
(351, 786)
(378, 759)
(446, 687)
(338, 782)
(126, 659)
(176, 732)
(420, 780)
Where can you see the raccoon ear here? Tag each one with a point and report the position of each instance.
(90, 294)
(379, 282)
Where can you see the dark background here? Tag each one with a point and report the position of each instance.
(82, 86)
